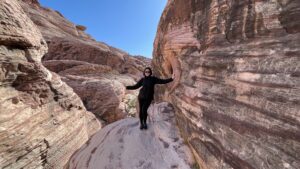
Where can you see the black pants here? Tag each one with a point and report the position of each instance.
(144, 105)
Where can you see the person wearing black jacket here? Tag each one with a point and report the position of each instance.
(146, 93)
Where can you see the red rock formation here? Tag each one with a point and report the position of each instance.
(32, 2)
(42, 120)
(68, 41)
(237, 89)
(100, 87)
(86, 60)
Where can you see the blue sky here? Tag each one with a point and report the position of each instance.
(126, 24)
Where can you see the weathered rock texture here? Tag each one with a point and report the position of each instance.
(42, 121)
(100, 87)
(93, 69)
(68, 41)
(122, 145)
(236, 95)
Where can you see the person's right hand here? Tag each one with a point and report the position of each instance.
(173, 76)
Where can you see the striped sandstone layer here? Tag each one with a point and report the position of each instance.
(237, 86)
(42, 121)
(97, 72)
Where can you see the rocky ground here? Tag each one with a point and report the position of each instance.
(122, 145)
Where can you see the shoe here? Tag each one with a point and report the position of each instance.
(141, 125)
(145, 126)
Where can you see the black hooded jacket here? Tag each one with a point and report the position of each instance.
(148, 82)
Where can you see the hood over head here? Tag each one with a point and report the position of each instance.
(149, 70)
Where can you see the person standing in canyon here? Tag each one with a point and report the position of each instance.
(146, 93)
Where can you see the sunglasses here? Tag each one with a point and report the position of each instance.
(147, 71)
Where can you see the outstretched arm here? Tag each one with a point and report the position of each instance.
(136, 86)
(162, 81)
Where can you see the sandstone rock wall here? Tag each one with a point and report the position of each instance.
(68, 41)
(42, 121)
(97, 72)
(100, 87)
(237, 87)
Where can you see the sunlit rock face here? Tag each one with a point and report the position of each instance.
(68, 41)
(236, 91)
(97, 72)
(42, 121)
(101, 88)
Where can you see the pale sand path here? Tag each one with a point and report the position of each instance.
(122, 145)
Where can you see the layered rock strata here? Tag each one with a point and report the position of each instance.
(93, 69)
(236, 91)
(42, 121)
(100, 87)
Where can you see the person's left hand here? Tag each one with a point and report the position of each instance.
(173, 76)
